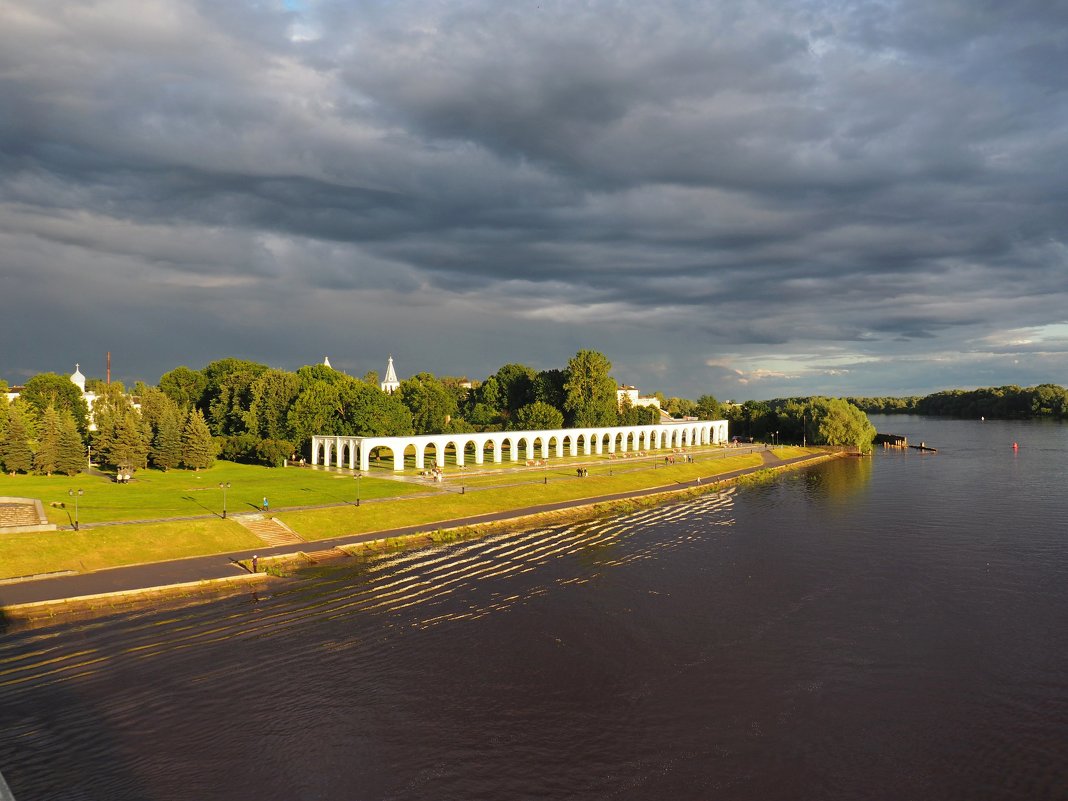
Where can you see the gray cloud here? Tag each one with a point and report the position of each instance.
(752, 199)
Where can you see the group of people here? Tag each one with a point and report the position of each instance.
(435, 474)
(582, 472)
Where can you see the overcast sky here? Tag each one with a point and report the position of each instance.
(753, 198)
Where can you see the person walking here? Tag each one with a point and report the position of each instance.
(265, 506)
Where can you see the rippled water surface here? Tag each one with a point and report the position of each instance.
(884, 628)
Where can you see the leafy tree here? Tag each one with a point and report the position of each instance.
(708, 408)
(71, 450)
(514, 388)
(371, 377)
(549, 388)
(537, 416)
(58, 391)
(315, 411)
(591, 391)
(229, 394)
(184, 386)
(15, 452)
(680, 407)
(647, 415)
(319, 372)
(198, 448)
(365, 410)
(47, 456)
(153, 402)
(837, 422)
(430, 403)
(273, 452)
(273, 394)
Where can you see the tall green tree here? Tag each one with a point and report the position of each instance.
(708, 408)
(198, 448)
(15, 452)
(228, 395)
(131, 443)
(71, 450)
(109, 412)
(273, 393)
(365, 410)
(166, 451)
(591, 391)
(430, 403)
(315, 411)
(549, 388)
(47, 456)
(515, 388)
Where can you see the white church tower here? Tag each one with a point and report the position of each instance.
(390, 384)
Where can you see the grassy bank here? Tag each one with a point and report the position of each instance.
(316, 524)
(390, 504)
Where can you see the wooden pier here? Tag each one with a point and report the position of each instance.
(898, 441)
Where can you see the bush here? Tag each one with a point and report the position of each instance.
(273, 452)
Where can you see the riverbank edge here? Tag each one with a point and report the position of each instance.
(60, 609)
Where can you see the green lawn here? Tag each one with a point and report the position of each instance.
(109, 546)
(180, 493)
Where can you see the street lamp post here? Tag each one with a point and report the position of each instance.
(776, 438)
(224, 486)
(358, 476)
(76, 494)
(463, 470)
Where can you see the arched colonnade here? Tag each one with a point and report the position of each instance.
(353, 451)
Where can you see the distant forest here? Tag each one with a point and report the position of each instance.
(1000, 403)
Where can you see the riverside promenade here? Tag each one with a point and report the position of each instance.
(223, 566)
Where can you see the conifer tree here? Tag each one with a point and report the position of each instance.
(167, 445)
(15, 452)
(5, 413)
(71, 450)
(198, 448)
(129, 448)
(47, 456)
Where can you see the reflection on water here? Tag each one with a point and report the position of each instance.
(840, 480)
(872, 628)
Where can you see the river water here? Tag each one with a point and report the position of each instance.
(893, 627)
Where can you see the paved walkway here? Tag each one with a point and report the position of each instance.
(220, 566)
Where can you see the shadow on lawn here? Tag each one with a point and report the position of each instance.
(193, 500)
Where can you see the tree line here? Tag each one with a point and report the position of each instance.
(811, 421)
(1003, 403)
(250, 412)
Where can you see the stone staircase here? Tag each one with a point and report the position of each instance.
(271, 531)
(23, 514)
(17, 514)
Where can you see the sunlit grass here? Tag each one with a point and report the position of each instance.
(109, 546)
(386, 504)
(183, 493)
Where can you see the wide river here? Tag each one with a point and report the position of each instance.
(893, 627)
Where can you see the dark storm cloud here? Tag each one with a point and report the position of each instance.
(750, 198)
